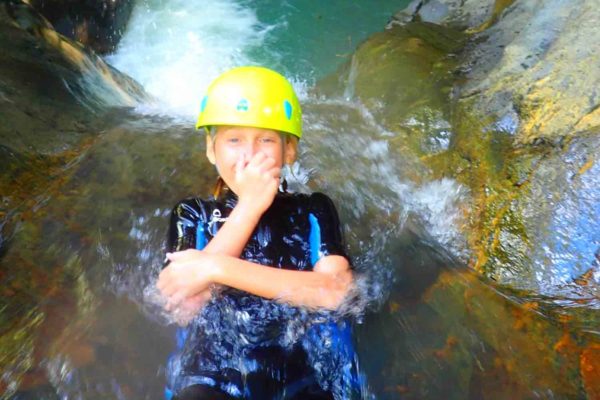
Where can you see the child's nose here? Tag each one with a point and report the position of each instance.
(250, 149)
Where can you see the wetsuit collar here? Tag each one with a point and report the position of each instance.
(230, 199)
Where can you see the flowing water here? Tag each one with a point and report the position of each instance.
(83, 323)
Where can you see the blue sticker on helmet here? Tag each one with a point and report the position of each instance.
(203, 103)
(287, 107)
(243, 105)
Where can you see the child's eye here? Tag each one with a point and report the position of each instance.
(268, 140)
(233, 140)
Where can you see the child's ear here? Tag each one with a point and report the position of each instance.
(210, 149)
(291, 149)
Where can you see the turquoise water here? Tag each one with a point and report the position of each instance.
(312, 38)
(174, 48)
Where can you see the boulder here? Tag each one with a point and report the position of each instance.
(54, 96)
(533, 73)
(101, 219)
(98, 25)
(528, 67)
(446, 332)
(505, 104)
(459, 14)
(403, 75)
(52, 84)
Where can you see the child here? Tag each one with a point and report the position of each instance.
(273, 255)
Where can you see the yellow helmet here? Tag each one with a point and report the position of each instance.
(252, 96)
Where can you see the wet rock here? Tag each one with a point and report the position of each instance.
(102, 218)
(98, 25)
(52, 85)
(539, 232)
(520, 135)
(403, 76)
(458, 14)
(535, 72)
(549, 350)
(528, 68)
(54, 96)
(465, 337)
(590, 370)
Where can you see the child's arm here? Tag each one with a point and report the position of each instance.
(192, 271)
(258, 181)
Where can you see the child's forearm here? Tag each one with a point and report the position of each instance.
(326, 287)
(232, 237)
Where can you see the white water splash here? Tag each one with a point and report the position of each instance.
(438, 203)
(175, 48)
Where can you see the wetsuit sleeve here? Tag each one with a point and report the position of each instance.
(185, 218)
(325, 224)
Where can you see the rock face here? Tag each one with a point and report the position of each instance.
(416, 58)
(51, 84)
(53, 96)
(536, 72)
(530, 68)
(450, 92)
(460, 14)
(56, 99)
(97, 24)
(501, 96)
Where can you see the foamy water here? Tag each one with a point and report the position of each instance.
(175, 48)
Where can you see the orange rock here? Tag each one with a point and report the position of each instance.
(32, 379)
(451, 342)
(566, 345)
(396, 389)
(81, 354)
(590, 371)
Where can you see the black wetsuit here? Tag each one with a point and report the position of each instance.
(244, 346)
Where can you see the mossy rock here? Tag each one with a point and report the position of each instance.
(403, 76)
(53, 91)
(419, 80)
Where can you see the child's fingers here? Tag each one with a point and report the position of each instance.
(163, 279)
(273, 172)
(240, 164)
(166, 283)
(267, 164)
(173, 302)
(276, 172)
(257, 159)
(201, 297)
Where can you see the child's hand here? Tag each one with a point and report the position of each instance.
(189, 308)
(189, 274)
(257, 181)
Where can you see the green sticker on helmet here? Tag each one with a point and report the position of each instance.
(243, 105)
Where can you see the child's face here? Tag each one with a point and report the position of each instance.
(232, 143)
